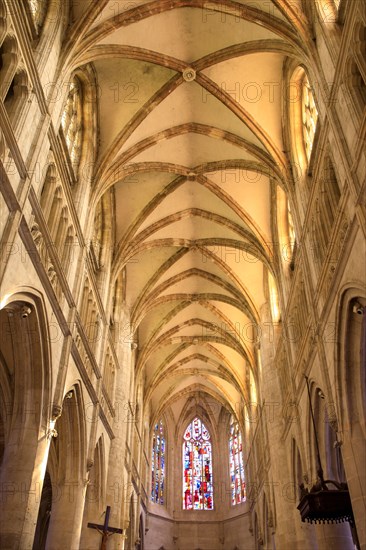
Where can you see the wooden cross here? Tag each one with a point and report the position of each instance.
(105, 530)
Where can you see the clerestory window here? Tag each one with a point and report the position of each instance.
(158, 464)
(72, 122)
(38, 9)
(237, 479)
(309, 116)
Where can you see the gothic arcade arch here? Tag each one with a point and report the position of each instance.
(350, 384)
(26, 381)
(66, 468)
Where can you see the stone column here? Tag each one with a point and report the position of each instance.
(66, 515)
(279, 476)
(334, 537)
(118, 496)
(21, 483)
(353, 454)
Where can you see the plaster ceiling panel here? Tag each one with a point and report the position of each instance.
(194, 228)
(154, 366)
(255, 81)
(233, 319)
(234, 358)
(133, 194)
(202, 35)
(266, 6)
(251, 190)
(191, 150)
(183, 384)
(195, 311)
(179, 385)
(152, 320)
(207, 401)
(124, 87)
(115, 8)
(186, 104)
(192, 194)
(190, 371)
(195, 258)
(239, 325)
(159, 354)
(195, 330)
(198, 349)
(195, 285)
(160, 312)
(196, 365)
(248, 269)
(141, 268)
(181, 198)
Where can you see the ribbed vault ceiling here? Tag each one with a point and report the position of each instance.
(190, 128)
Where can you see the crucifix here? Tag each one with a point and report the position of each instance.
(105, 530)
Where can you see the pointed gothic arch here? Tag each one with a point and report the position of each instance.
(25, 382)
(350, 384)
(67, 469)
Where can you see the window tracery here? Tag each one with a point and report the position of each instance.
(158, 464)
(237, 479)
(309, 116)
(72, 122)
(197, 467)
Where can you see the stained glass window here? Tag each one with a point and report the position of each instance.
(309, 116)
(158, 464)
(72, 122)
(197, 467)
(237, 479)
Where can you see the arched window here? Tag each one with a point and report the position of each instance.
(328, 10)
(158, 464)
(273, 299)
(38, 9)
(197, 467)
(72, 122)
(309, 116)
(237, 480)
(291, 228)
